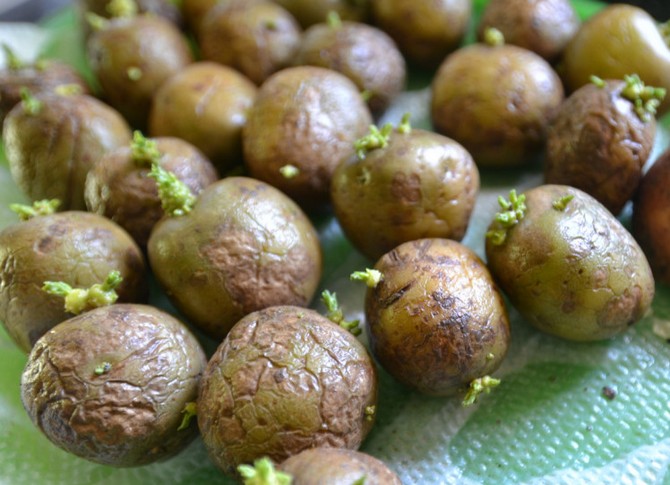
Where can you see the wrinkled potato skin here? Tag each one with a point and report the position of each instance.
(36, 80)
(496, 101)
(51, 152)
(244, 246)
(597, 143)
(77, 248)
(337, 466)
(425, 30)
(421, 185)
(206, 104)
(285, 379)
(125, 417)
(147, 42)
(435, 317)
(542, 26)
(308, 117)
(257, 38)
(577, 274)
(310, 12)
(651, 217)
(618, 41)
(121, 190)
(363, 53)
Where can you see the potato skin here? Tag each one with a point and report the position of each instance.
(121, 190)
(243, 247)
(129, 415)
(308, 117)
(78, 248)
(436, 316)
(597, 143)
(496, 101)
(542, 26)
(310, 12)
(363, 53)
(426, 31)
(205, 104)
(337, 466)
(651, 217)
(51, 152)
(36, 79)
(255, 38)
(145, 42)
(285, 379)
(420, 185)
(575, 273)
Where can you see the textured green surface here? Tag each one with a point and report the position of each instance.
(548, 422)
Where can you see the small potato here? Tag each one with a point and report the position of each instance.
(285, 379)
(337, 466)
(568, 265)
(436, 321)
(651, 217)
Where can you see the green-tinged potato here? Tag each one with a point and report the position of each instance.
(119, 187)
(131, 57)
(42, 76)
(617, 41)
(77, 248)
(436, 320)
(569, 266)
(255, 38)
(310, 12)
(307, 118)
(651, 217)
(243, 247)
(419, 185)
(425, 30)
(207, 105)
(285, 379)
(110, 385)
(363, 53)
(50, 146)
(497, 101)
(542, 26)
(337, 466)
(599, 144)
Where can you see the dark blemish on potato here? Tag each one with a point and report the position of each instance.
(46, 244)
(397, 295)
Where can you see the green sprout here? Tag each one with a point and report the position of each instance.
(13, 61)
(645, 99)
(599, 82)
(31, 104)
(376, 138)
(144, 150)
(39, 208)
(367, 94)
(263, 472)
(493, 37)
(78, 300)
(176, 198)
(405, 126)
(122, 8)
(513, 210)
(333, 20)
(190, 411)
(371, 277)
(335, 313)
(134, 73)
(370, 412)
(478, 386)
(68, 89)
(102, 368)
(96, 21)
(562, 202)
(289, 171)
(360, 481)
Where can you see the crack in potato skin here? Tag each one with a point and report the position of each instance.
(285, 379)
(436, 316)
(576, 273)
(129, 415)
(78, 248)
(245, 246)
